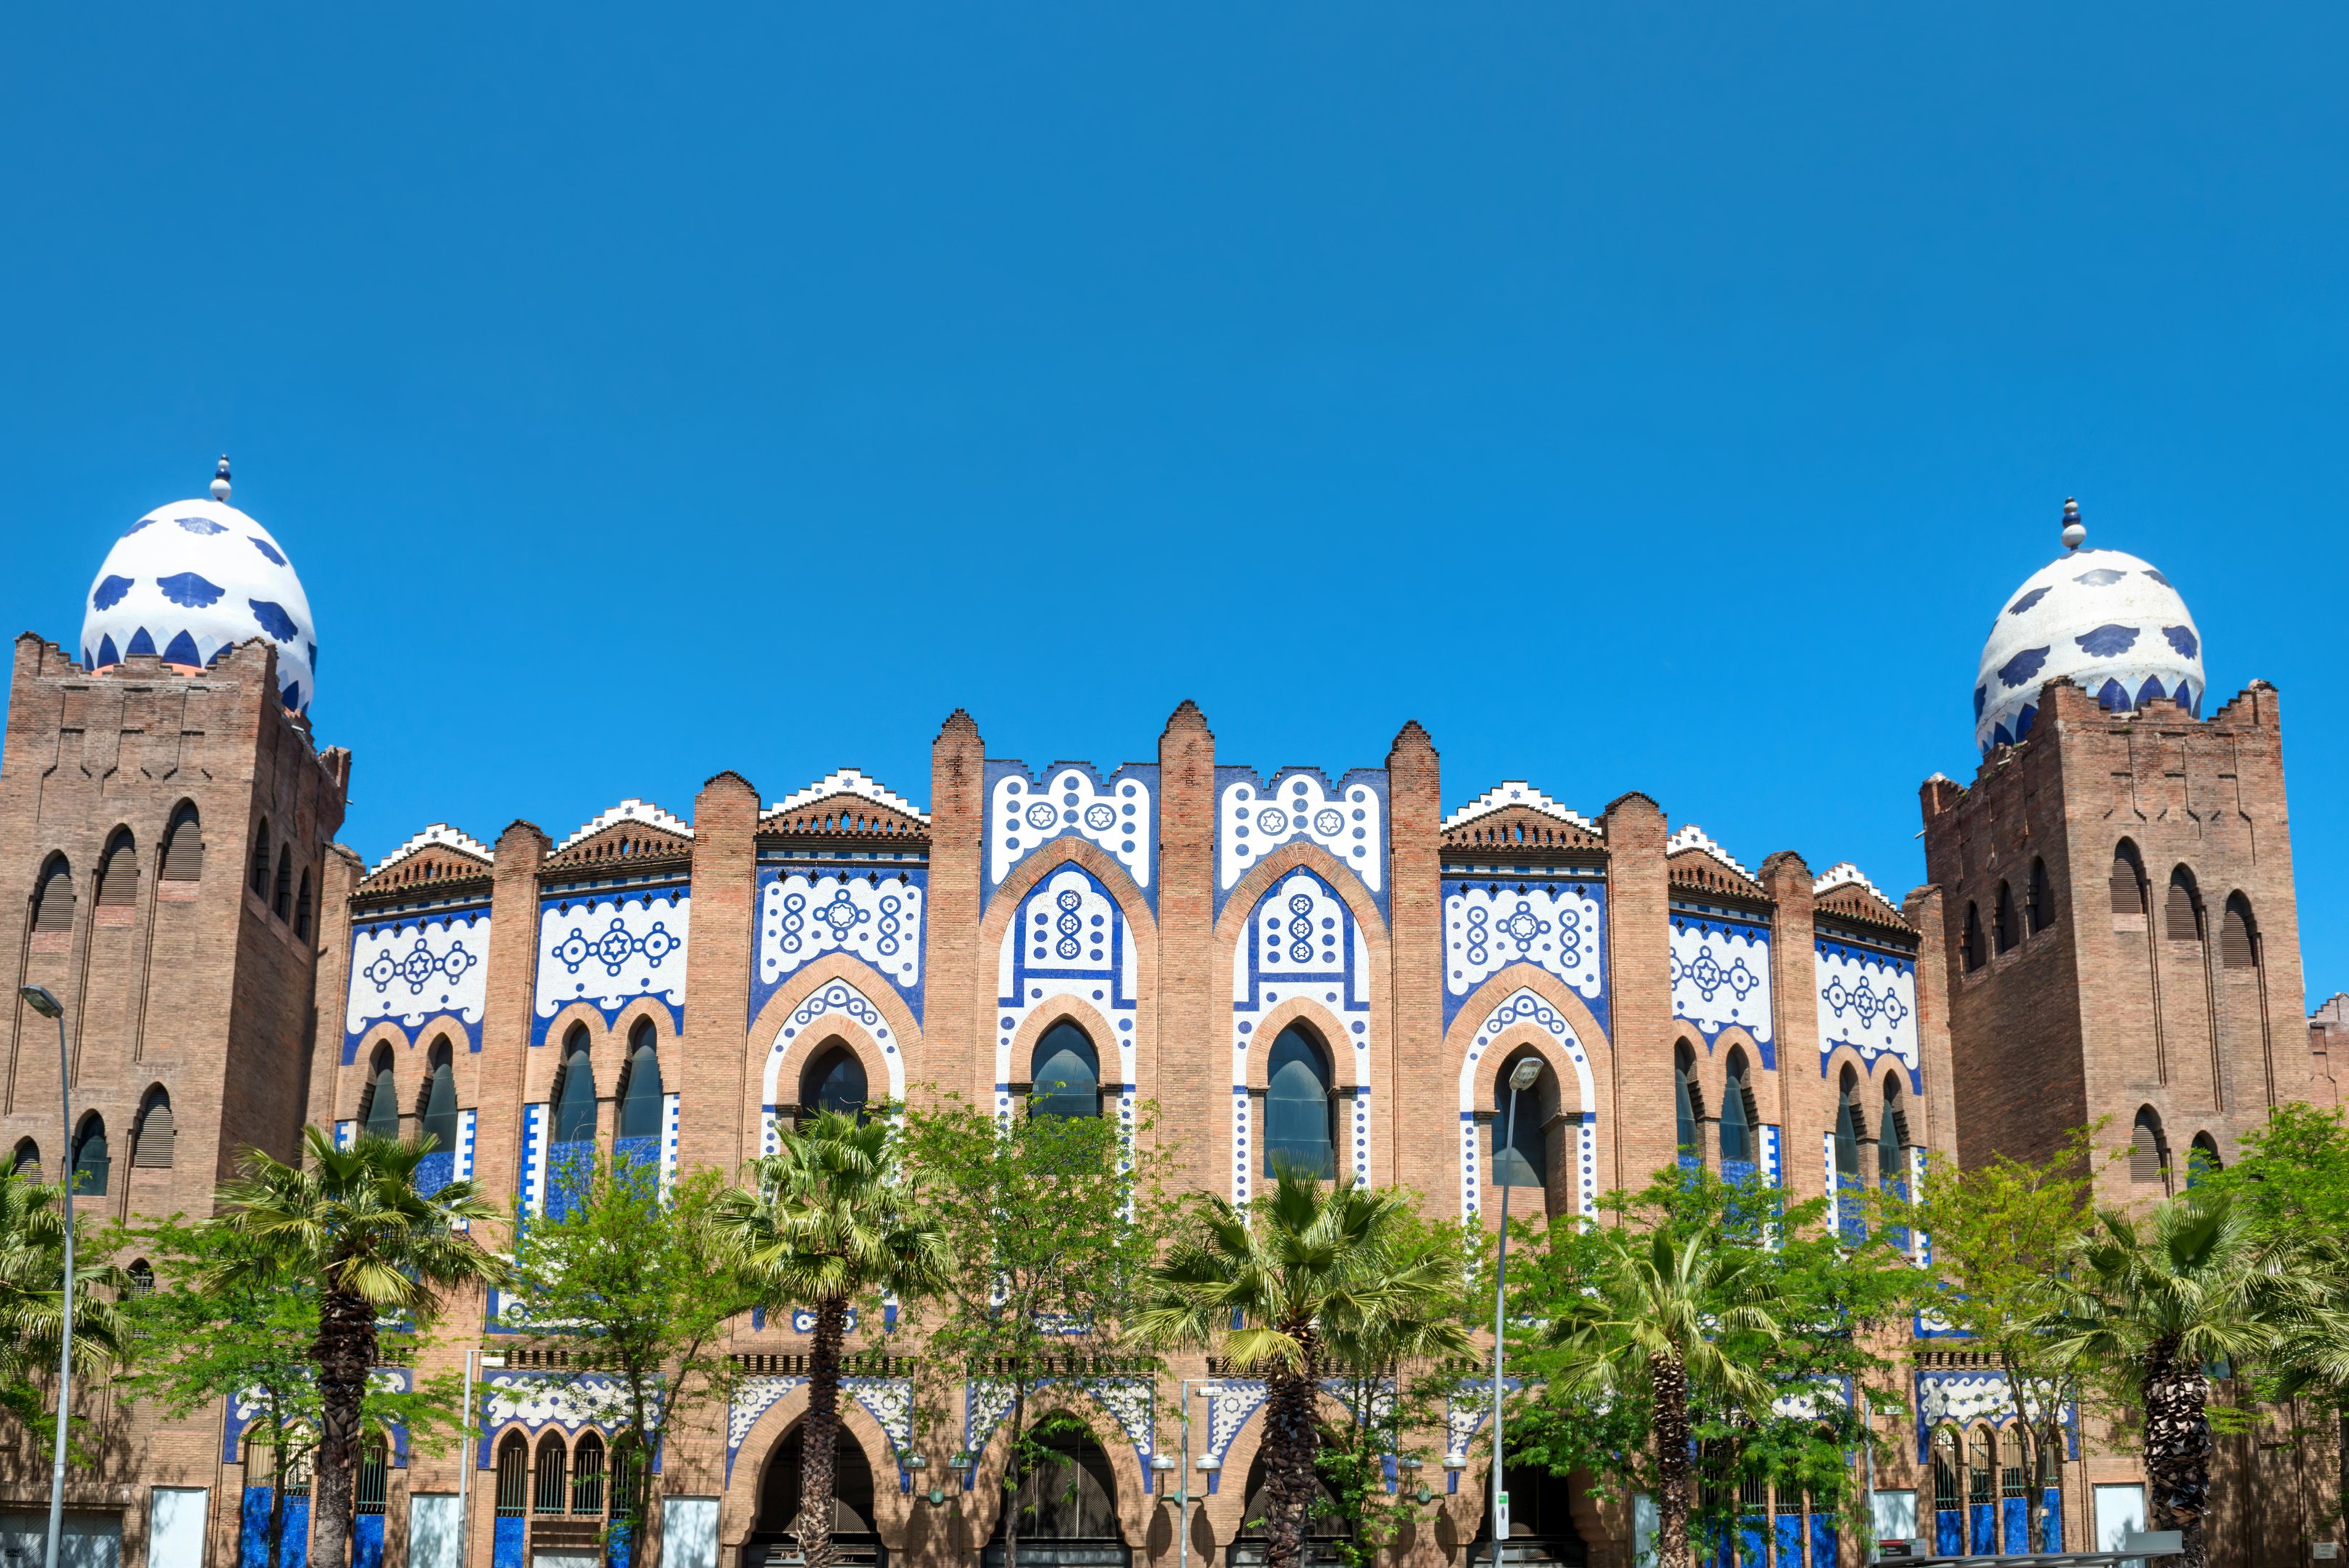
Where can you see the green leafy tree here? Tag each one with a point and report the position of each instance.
(226, 1322)
(828, 1224)
(1053, 1222)
(1393, 1373)
(32, 1301)
(637, 1288)
(351, 1222)
(2004, 1233)
(1706, 1330)
(1300, 1271)
(2164, 1298)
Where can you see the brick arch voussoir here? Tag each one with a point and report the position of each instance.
(1075, 1010)
(983, 1500)
(739, 1509)
(540, 1070)
(1869, 1080)
(1521, 976)
(1059, 853)
(1335, 1038)
(1260, 878)
(817, 974)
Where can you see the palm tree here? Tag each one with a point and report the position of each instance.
(351, 1221)
(1305, 1273)
(32, 1297)
(2192, 1286)
(1649, 1324)
(824, 1222)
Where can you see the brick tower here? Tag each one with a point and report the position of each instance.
(2118, 921)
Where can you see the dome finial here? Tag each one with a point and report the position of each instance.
(220, 480)
(2074, 530)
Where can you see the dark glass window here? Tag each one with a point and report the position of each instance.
(440, 1119)
(574, 1097)
(640, 1098)
(1736, 1129)
(1520, 1154)
(91, 1161)
(1684, 1108)
(1065, 1074)
(835, 1082)
(381, 1116)
(1296, 1107)
(1846, 1136)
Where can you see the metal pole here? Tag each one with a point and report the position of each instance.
(1500, 1295)
(65, 1338)
(1183, 1515)
(465, 1464)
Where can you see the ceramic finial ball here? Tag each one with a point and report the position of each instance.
(2075, 532)
(220, 480)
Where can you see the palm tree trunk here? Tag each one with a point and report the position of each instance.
(345, 1352)
(1667, 1380)
(820, 1436)
(1292, 1441)
(2177, 1449)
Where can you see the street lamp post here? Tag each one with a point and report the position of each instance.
(1526, 1074)
(42, 1001)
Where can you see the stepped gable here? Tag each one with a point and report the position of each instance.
(441, 860)
(1515, 819)
(849, 806)
(1844, 893)
(633, 836)
(1699, 866)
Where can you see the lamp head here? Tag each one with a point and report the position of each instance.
(42, 1001)
(1527, 1073)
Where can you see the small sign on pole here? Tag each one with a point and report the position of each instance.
(1501, 1520)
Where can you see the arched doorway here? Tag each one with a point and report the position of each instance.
(854, 1542)
(1541, 1523)
(1067, 1510)
(1324, 1528)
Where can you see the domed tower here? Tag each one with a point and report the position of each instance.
(2120, 929)
(165, 820)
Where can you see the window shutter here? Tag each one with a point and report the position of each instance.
(183, 849)
(118, 879)
(2128, 898)
(2177, 917)
(2235, 949)
(53, 908)
(2145, 1155)
(155, 1135)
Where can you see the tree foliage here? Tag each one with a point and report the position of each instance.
(32, 1301)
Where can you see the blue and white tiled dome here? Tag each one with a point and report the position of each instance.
(2110, 622)
(194, 577)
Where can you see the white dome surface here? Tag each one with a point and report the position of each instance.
(192, 578)
(2110, 622)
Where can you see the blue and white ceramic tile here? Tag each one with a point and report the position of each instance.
(607, 948)
(409, 968)
(192, 578)
(875, 916)
(1867, 1000)
(1349, 820)
(1721, 976)
(1555, 924)
(1069, 938)
(1300, 941)
(1527, 1007)
(2110, 622)
(1118, 813)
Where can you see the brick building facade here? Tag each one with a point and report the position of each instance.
(1326, 962)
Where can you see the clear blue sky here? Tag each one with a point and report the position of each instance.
(1656, 396)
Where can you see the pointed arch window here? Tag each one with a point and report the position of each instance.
(1737, 1114)
(379, 1116)
(281, 899)
(2005, 929)
(1297, 1108)
(2181, 912)
(26, 1161)
(1521, 1155)
(834, 1081)
(91, 1163)
(2238, 935)
(151, 1146)
(1848, 1129)
(142, 1277)
(1685, 1102)
(437, 1116)
(118, 874)
(587, 1476)
(2201, 1160)
(1891, 1137)
(53, 896)
(1064, 1074)
(2148, 1150)
(575, 1091)
(514, 1476)
(183, 845)
(548, 1494)
(2128, 881)
(372, 1489)
(641, 1089)
(302, 907)
(1973, 943)
(2043, 897)
(259, 877)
